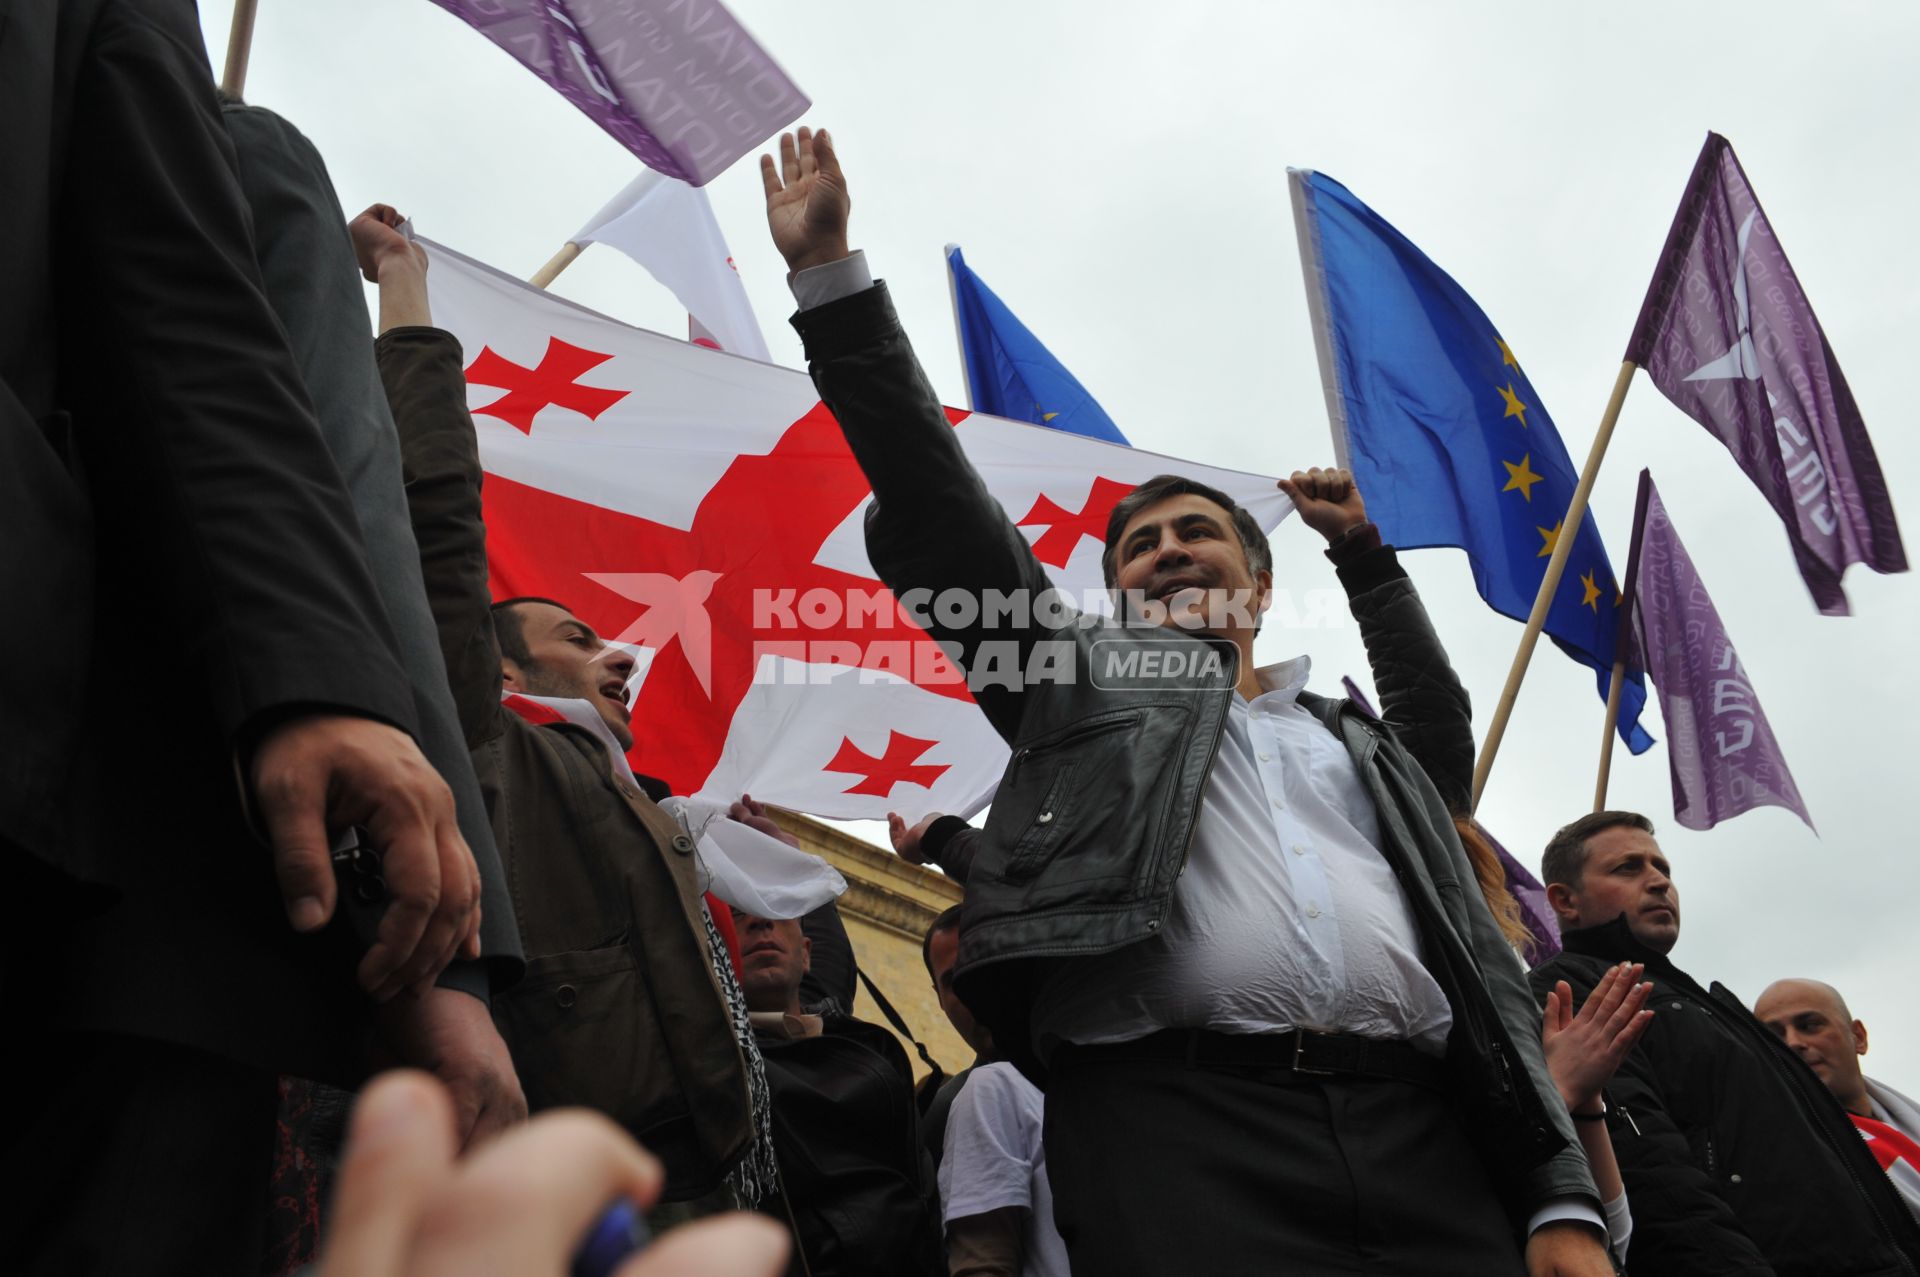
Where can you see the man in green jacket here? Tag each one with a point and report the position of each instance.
(625, 1006)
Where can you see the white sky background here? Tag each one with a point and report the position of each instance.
(1116, 171)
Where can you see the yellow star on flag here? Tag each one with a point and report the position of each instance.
(1593, 591)
(1048, 416)
(1551, 536)
(1506, 354)
(1521, 477)
(1514, 407)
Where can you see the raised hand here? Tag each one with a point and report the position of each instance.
(377, 239)
(1328, 500)
(1583, 1051)
(906, 839)
(807, 201)
(391, 260)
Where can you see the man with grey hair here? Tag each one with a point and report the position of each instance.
(1812, 1018)
(1736, 1159)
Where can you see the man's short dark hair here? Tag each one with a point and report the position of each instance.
(1566, 854)
(1157, 489)
(510, 632)
(947, 921)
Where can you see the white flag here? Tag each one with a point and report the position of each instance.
(668, 227)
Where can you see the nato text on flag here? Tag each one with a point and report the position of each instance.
(680, 83)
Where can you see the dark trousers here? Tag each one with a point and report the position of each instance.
(1160, 1167)
(125, 1155)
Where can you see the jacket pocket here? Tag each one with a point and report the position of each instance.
(1037, 844)
(582, 1031)
(1063, 742)
(1076, 808)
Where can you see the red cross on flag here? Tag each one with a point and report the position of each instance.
(704, 509)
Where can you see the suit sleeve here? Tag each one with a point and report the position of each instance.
(313, 283)
(933, 525)
(202, 440)
(426, 389)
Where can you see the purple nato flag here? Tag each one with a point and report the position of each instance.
(680, 83)
(1727, 335)
(1535, 912)
(1722, 753)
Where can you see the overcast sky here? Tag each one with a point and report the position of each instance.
(1117, 172)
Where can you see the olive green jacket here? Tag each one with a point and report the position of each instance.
(619, 1009)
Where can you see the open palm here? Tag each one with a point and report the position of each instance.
(807, 201)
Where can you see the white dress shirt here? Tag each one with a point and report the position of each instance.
(1286, 915)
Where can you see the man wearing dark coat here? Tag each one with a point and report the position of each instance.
(1735, 1156)
(200, 686)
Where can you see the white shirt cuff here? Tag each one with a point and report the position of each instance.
(1566, 1208)
(818, 285)
(1619, 1225)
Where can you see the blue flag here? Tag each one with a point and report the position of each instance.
(1443, 432)
(1009, 373)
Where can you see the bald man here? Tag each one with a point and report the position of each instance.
(1812, 1018)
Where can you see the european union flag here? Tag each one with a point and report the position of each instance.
(1444, 433)
(1009, 373)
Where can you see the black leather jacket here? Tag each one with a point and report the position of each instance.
(1092, 822)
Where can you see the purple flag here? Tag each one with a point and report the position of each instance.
(1722, 754)
(1727, 335)
(679, 83)
(1535, 912)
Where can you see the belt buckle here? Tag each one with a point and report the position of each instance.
(1299, 1047)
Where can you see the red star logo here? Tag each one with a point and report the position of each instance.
(553, 382)
(1065, 528)
(755, 533)
(894, 767)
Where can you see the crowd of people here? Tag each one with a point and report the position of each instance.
(1244, 987)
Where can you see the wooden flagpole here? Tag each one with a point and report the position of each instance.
(555, 264)
(239, 44)
(1556, 565)
(1622, 641)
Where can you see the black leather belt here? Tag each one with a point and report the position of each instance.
(1301, 1052)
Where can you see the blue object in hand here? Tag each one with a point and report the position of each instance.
(617, 1235)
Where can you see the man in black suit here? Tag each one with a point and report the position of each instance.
(189, 607)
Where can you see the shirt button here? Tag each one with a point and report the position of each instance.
(1280, 803)
(1044, 818)
(1266, 758)
(1299, 849)
(1313, 911)
(1734, 1178)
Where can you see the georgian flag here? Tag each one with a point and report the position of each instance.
(1898, 1154)
(704, 509)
